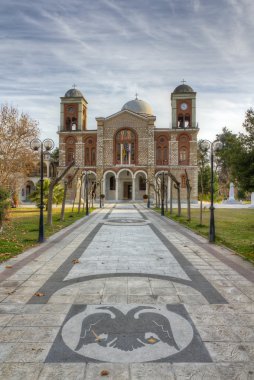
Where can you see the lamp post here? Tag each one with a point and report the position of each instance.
(162, 194)
(86, 173)
(44, 147)
(213, 146)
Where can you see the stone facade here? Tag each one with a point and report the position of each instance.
(127, 151)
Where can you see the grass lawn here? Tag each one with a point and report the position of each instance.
(234, 228)
(21, 229)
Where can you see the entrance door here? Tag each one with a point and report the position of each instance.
(127, 190)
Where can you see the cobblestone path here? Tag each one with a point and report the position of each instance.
(126, 294)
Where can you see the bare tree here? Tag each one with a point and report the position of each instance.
(53, 183)
(177, 187)
(16, 157)
(66, 183)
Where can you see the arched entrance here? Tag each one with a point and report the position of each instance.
(110, 186)
(126, 185)
(26, 190)
(140, 185)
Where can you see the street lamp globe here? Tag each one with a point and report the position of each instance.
(35, 144)
(48, 144)
(217, 145)
(205, 144)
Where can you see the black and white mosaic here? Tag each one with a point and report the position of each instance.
(128, 334)
(119, 332)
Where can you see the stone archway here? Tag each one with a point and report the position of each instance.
(126, 185)
(140, 185)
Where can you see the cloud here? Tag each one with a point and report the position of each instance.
(111, 49)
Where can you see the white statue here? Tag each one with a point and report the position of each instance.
(231, 192)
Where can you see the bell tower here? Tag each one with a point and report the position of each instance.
(73, 126)
(183, 105)
(73, 111)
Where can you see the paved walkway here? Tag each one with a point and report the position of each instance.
(126, 294)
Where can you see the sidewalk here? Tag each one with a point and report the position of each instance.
(126, 294)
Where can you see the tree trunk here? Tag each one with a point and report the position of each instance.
(64, 201)
(201, 201)
(50, 203)
(177, 187)
(171, 197)
(80, 194)
(178, 200)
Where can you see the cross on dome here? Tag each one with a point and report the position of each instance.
(183, 81)
(74, 85)
(136, 98)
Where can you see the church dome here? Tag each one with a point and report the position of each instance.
(183, 88)
(73, 93)
(138, 106)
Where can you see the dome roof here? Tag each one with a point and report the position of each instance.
(138, 106)
(73, 93)
(183, 88)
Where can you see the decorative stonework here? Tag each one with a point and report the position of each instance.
(145, 145)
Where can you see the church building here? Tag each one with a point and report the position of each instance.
(127, 153)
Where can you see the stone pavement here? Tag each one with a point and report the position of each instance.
(126, 294)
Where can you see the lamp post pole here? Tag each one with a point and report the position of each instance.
(36, 145)
(41, 221)
(212, 224)
(162, 196)
(87, 209)
(215, 145)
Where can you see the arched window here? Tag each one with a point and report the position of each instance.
(162, 151)
(90, 151)
(125, 147)
(71, 117)
(112, 183)
(183, 181)
(70, 155)
(70, 150)
(184, 121)
(183, 154)
(184, 149)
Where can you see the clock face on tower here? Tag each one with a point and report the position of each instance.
(184, 106)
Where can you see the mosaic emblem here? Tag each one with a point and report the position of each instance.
(122, 333)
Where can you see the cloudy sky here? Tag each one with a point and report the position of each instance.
(112, 48)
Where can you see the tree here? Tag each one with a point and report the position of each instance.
(54, 184)
(236, 159)
(16, 132)
(4, 205)
(177, 187)
(226, 159)
(57, 193)
(244, 167)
